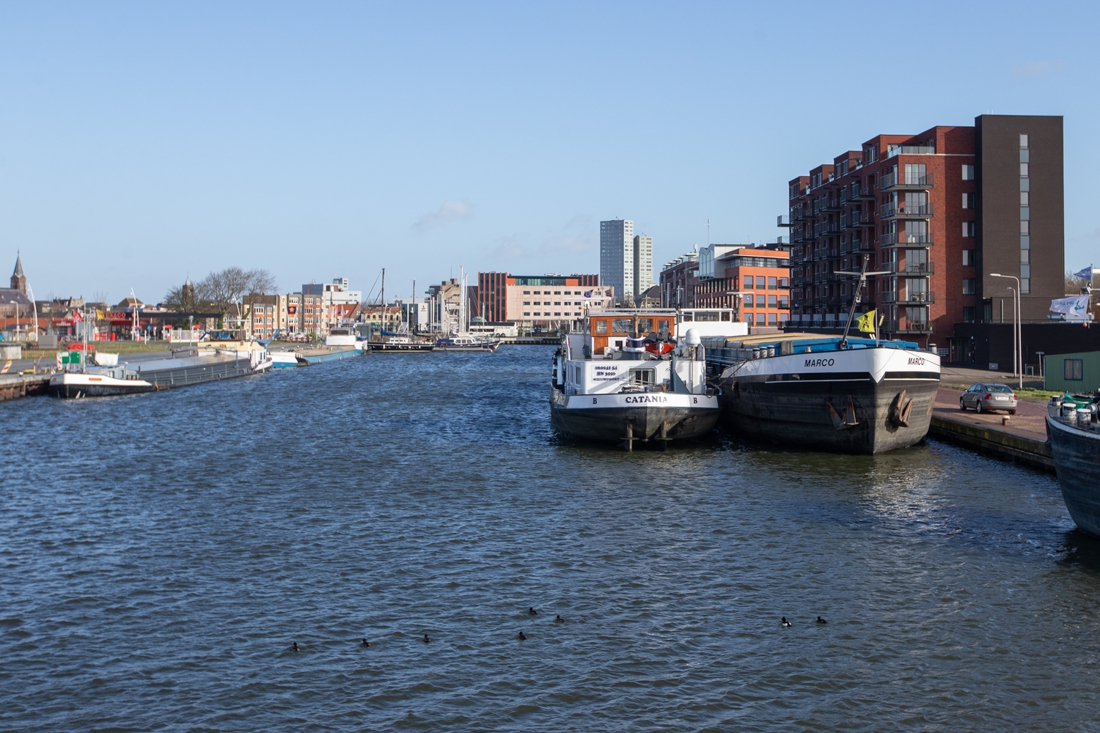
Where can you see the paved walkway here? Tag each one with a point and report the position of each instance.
(962, 375)
(1028, 422)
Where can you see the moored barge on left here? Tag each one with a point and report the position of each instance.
(637, 375)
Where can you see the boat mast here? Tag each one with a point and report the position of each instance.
(382, 303)
(863, 274)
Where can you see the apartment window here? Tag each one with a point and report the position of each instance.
(970, 286)
(1025, 184)
(784, 301)
(1023, 142)
(783, 318)
(1025, 227)
(968, 173)
(760, 282)
(969, 314)
(1025, 198)
(748, 318)
(526, 292)
(1025, 282)
(772, 301)
(527, 302)
(772, 319)
(784, 283)
(1025, 242)
(1023, 170)
(970, 228)
(968, 258)
(748, 283)
(773, 283)
(970, 200)
(1025, 212)
(761, 301)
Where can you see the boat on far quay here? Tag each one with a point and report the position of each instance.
(1073, 432)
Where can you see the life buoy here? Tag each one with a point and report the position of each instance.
(658, 347)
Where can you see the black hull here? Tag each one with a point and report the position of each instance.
(843, 416)
(1076, 456)
(610, 425)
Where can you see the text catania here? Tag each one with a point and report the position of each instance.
(819, 362)
(646, 399)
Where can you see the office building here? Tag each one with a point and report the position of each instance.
(753, 280)
(678, 279)
(617, 257)
(643, 264)
(941, 213)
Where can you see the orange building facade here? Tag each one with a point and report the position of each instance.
(754, 281)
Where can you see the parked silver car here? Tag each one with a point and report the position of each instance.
(984, 397)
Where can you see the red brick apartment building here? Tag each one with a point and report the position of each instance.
(941, 212)
(544, 300)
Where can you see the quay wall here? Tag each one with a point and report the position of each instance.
(993, 442)
(12, 387)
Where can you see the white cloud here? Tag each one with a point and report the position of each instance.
(1036, 69)
(451, 210)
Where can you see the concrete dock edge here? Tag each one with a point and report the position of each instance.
(995, 443)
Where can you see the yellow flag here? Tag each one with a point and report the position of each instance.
(866, 322)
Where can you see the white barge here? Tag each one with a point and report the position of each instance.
(638, 375)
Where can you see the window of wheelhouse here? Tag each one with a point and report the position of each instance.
(601, 326)
(642, 377)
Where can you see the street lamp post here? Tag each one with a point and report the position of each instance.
(1017, 331)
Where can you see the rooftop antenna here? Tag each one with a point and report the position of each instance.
(863, 275)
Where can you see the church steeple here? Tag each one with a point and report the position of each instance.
(18, 279)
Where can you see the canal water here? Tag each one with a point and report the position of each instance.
(160, 553)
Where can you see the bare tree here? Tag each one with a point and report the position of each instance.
(219, 290)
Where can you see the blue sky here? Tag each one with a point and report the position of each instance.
(141, 142)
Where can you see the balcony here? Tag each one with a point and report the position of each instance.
(906, 327)
(894, 150)
(896, 211)
(924, 298)
(905, 240)
(860, 193)
(903, 182)
(920, 270)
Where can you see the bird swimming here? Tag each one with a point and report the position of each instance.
(294, 646)
(366, 643)
(532, 612)
(426, 639)
(522, 636)
(785, 623)
(821, 620)
(559, 619)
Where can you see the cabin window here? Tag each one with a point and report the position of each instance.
(578, 376)
(601, 326)
(688, 317)
(642, 377)
(622, 325)
(645, 325)
(708, 316)
(725, 315)
(1074, 369)
(663, 326)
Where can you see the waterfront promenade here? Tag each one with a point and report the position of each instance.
(1020, 438)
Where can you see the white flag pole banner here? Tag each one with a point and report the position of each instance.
(1075, 308)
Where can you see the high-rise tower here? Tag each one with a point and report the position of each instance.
(643, 264)
(617, 257)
